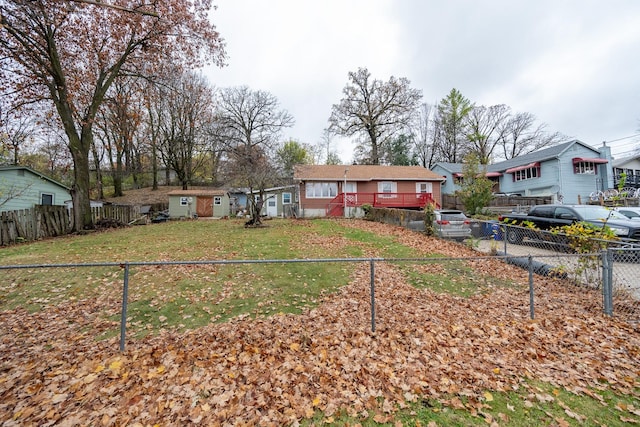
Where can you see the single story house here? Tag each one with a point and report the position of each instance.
(204, 203)
(341, 190)
(630, 166)
(279, 201)
(569, 172)
(22, 188)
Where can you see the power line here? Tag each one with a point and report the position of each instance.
(624, 137)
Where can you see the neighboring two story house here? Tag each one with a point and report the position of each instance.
(341, 190)
(22, 188)
(569, 172)
(630, 166)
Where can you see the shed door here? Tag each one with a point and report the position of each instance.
(204, 207)
(272, 205)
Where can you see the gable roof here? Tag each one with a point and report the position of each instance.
(538, 156)
(524, 159)
(38, 174)
(363, 173)
(197, 192)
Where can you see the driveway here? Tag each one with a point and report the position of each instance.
(626, 275)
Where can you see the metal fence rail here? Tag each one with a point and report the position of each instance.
(562, 254)
(598, 271)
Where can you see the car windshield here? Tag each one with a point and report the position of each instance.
(598, 213)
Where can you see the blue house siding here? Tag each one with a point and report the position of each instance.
(28, 188)
(555, 172)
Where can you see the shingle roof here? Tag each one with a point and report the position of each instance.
(536, 156)
(197, 192)
(35, 172)
(363, 173)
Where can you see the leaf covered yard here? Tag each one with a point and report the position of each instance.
(432, 351)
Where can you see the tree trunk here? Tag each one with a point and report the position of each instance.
(81, 202)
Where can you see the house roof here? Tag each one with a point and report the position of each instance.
(26, 168)
(197, 192)
(624, 161)
(525, 159)
(538, 156)
(273, 189)
(363, 173)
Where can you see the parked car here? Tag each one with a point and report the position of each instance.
(629, 211)
(451, 224)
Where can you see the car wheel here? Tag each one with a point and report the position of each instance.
(514, 235)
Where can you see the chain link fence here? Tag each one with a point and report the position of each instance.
(606, 281)
(586, 262)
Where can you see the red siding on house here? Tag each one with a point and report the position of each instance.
(367, 178)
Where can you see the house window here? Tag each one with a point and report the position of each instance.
(528, 173)
(585, 168)
(387, 187)
(217, 200)
(321, 190)
(286, 198)
(46, 199)
(184, 201)
(424, 187)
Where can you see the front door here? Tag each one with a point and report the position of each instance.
(272, 205)
(204, 207)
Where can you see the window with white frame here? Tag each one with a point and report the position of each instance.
(184, 201)
(585, 168)
(424, 187)
(217, 200)
(387, 187)
(321, 190)
(528, 173)
(286, 198)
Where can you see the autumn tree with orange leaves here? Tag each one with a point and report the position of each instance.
(70, 53)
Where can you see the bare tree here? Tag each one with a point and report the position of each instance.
(375, 110)
(519, 135)
(423, 131)
(249, 123)
(118, 124)
(70, 54)
(485, 126)
(17, 129)
(185, 119)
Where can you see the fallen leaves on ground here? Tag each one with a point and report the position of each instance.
(281, 369)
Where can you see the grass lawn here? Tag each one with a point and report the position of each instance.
(290, 343)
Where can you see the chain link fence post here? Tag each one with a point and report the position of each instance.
(531, 296)
(607, 282)
(373, 295)
(125, 296)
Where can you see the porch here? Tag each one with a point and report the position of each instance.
(338, 204)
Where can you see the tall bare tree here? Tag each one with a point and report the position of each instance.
(249, 124)
(70, 54)
(374, 110)
(485, 127)
(423, 133)
(520, 134)
(118, 124)
(185, 119)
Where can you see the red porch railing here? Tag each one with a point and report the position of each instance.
(378, 200)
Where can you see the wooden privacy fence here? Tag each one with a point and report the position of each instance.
(49, 221)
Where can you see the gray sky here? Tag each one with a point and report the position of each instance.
(574, 64)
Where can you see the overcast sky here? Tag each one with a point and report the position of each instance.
(575, 64)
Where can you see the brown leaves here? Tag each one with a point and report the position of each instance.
(285, 368)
